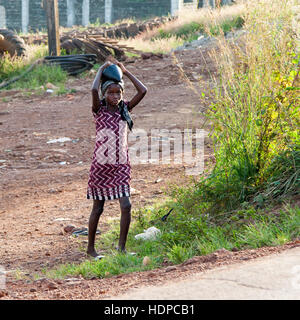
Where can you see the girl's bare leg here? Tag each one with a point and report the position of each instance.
(93, 223)
(125, 207)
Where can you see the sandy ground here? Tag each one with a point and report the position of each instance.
(43, 185)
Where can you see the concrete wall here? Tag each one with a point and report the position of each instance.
(13, 11)
(28, 15)
(2, 17)
(143, 9)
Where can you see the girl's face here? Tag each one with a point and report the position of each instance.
(113, 95)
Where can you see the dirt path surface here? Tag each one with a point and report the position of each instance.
(43, 185)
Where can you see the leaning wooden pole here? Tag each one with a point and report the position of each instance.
(52, 17)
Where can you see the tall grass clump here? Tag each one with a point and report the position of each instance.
(255, 114)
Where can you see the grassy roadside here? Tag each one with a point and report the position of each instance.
(183, 236)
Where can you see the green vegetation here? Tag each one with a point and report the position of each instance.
(188, 27)
(39, 76)
(255, 115)
(185, 235)
(191, 31)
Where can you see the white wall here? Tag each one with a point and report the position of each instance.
(85, 12)
(25, 15)
(174, 7)
(70, 13)
(108, 11)
(2, 18)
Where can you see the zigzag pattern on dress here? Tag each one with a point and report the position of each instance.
(108, 194)
(110, 170)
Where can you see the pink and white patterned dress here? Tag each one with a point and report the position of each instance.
(110, 169)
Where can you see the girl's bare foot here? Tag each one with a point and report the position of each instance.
(92, 253)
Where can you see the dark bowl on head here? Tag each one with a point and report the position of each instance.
(112, 72)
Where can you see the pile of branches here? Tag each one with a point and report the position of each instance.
(86, 42)
(89, 43)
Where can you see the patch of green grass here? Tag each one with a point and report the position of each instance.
(190, 31)
(132, 55)
(39, 76)
(185, 32)
(111, 265)
(178, 253)
(226, 26)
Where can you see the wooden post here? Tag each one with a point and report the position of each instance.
(51, 8)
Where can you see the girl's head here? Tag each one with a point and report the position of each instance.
(112, 92)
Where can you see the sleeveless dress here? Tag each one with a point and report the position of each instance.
(110, 170)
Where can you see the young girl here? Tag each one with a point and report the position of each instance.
(110, 170)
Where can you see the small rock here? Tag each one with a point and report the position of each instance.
(32, 290)
(157, 56)
(3, 293)
(221, 252)
(158, 180)
(134, 191)
(151, 274)
(146, 260)
(245, 258)
(171, 268)
(72, 279)
(53, 190)
(51, 286)
(49, 85)
(213, 256)
(69, 228)
(146, 55)
(190, 261)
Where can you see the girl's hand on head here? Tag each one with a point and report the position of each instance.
(122, 67)
(106, 64)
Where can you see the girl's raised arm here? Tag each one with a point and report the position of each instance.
(95, 87)
(140, 87)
